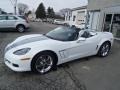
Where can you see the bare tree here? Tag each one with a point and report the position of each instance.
(22, 8)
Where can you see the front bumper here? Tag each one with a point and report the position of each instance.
(16, 64)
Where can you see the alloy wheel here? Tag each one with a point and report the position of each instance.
(44, 63)
(105, 49)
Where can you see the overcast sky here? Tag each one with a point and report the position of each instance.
(33, 4)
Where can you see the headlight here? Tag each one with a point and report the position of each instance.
(22, 51)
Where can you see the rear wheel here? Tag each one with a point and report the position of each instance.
(104, 49)
(20, 28)
(43, 63)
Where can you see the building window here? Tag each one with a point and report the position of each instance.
(115, 28)
(112, 24)
(69, 18)
(74, 17)
(107, 23)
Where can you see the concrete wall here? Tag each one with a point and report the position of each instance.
(100, 4)
(104, 7)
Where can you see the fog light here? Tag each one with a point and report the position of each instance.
(15, 65)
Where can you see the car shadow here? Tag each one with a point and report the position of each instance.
(13, 31)
(80, 60)
(61, 66)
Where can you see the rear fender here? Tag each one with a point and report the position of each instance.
(102, 41)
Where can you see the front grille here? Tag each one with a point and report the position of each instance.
(15, 65)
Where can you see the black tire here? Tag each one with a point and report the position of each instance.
(37, 58)
(104, 49)
(73, 26)
(20, 28)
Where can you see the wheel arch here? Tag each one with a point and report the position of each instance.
(104, 41)
(20, 25)
(99, 49)
(50, 51)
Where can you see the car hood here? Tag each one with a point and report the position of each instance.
(30, 38)
(27, 39)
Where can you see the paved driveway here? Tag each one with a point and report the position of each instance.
(93, 73)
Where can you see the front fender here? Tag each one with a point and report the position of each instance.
(34, 52)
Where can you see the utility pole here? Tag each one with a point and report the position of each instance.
(15, 7)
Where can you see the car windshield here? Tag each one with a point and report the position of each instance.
(63, 34)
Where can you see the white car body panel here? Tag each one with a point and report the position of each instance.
(3, 23)
(65, 51)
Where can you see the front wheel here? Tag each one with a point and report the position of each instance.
(104, 49)
(43, 63)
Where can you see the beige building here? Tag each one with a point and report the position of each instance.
(104, 15)
(76, 16)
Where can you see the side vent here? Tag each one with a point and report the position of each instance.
(97, 47)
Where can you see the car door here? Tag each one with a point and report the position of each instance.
(92, 45)
(11, 21)
(82, 47)
(78, 49)
(3, 21)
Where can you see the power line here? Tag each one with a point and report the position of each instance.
(35, 1)
(11, 2)
(14, 4)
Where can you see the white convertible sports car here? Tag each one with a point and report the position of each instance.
(41, 53)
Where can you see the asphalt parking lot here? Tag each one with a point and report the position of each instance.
(93, 73)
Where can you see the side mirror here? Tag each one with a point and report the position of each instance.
(81, 39)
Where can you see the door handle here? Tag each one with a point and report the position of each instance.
(80, 41)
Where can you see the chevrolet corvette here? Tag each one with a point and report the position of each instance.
(43, 52)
